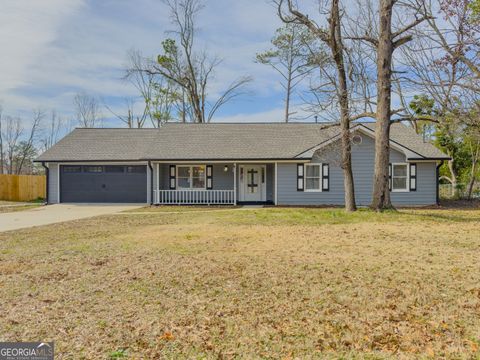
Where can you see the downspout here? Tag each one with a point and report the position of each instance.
(437, 173)
(151, 182)
(47, 174)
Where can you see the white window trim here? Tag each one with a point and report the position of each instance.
(407, 182)
(191, 177)
(320, 178)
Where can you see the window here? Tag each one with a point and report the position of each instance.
(136, 169)
(72, 169)
(313, 178)
(399, 177)
(114, 169)
(191, 177)
(93, 169)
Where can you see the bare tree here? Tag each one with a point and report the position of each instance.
(454, 29)
(130, 119)
(385, 47)
(188, 69)
(290, 57)
(12, 132)
(442, 67)
(52, 132)
(19, 145)
(384, 28)
(87, 110)
(26, 149)
(331, 37)
(438, 82)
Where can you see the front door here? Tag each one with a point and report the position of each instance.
(252, 183)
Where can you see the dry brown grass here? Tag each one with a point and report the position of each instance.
(15, 208)
(267, 283)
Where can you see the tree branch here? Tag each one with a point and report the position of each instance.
(410, 26)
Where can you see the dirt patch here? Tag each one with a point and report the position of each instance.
(460, 204)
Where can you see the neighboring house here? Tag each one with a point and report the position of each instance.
(282, 164)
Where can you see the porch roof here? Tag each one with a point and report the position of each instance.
(214, 141)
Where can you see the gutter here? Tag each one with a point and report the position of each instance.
(429, 159)
(437, 176)
(47, 174)
(151, 181)
(220, 160)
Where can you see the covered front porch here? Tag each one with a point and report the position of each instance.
(218, 183)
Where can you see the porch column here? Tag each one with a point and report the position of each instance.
(275, 186)
(235, 183)
(157, 197)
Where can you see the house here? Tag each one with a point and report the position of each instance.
(219, 163)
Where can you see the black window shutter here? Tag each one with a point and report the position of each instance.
(325, 177)
(300, 177)
(209, 177)
(390, 177)
(173, 177)
(413, 177)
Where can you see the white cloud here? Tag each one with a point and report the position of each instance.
(53, 48)
(274, 115)
(26, 28)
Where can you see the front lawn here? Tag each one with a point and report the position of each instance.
(247, 283)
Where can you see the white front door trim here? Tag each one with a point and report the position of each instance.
(261, 195)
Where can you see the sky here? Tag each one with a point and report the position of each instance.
(53, 49)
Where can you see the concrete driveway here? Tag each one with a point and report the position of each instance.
(51, 214)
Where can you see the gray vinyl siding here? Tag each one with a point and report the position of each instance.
(363, 156)
(221, 180)
(426, 193)
(53, 183)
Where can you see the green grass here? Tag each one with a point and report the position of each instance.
(305, 216)
(176, 209)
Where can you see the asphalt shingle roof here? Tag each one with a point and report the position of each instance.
(213, 141)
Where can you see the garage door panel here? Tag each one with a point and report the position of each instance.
(113, 184)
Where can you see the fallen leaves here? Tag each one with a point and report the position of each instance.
(222, 285)
(168, 336)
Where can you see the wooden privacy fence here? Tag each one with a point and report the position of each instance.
(22, 187)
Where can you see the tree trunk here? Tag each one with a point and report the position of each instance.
(473, 169)
(470, 185)
(289, 87)
(336, 46)
(349, 187)
(453, 177)
(287, 97)
(381, 192)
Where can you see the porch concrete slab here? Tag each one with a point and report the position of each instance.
(50, 214)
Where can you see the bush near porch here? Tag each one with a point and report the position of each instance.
(256, 283)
